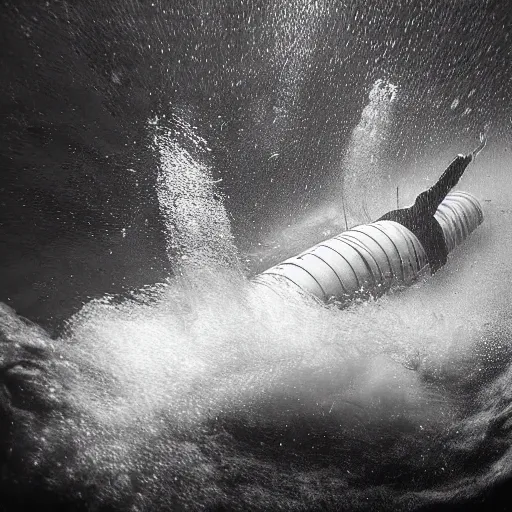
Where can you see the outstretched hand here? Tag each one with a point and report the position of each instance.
(483, 142)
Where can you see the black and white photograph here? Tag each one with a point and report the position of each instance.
(255, 255)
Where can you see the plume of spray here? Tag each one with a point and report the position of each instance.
(197, 227)
(363, 167)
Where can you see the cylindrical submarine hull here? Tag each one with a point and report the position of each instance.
(371, 258)
(459, 215)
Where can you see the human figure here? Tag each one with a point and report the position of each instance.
(419, 218)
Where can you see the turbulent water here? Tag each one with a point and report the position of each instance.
(224, 393)
(157, 156)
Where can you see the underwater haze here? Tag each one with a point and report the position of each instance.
(157, 155)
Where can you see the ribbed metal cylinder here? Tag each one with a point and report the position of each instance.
(459, 215)
(371, 258)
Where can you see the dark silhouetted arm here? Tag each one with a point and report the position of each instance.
(450, 177)
(432, 198)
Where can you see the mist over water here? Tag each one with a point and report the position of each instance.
(199, 144)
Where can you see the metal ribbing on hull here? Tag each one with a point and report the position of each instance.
(368, 258)
(371, 258)
(459, 215)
